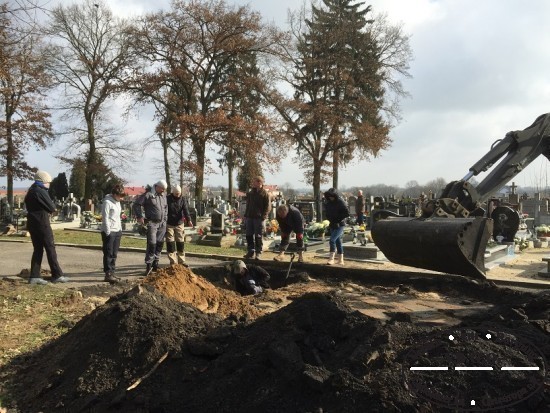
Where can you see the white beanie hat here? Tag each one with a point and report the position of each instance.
(162, 183)
(176, 189)
(42, 176)
(238, 267)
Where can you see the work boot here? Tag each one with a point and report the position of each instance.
(340, 259)
(111, 279)
(300, 256)
(148, 269)
(279, 257)
(155, 265)
(250, 254)
(331, 258)
(258, 255)
(60, 279)
(37, 281)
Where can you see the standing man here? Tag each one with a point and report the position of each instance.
(290, 219)
(39, 206)
(111, 231)
(257, 209)
(153, 206)
(178, 215)
(336, 212)
(360, 208)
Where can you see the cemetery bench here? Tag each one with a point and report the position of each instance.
(545, 274)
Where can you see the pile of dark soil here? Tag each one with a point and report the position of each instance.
(145, 352)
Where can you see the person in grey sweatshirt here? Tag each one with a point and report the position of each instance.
(151, 208)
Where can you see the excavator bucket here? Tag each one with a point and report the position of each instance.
(449, 245)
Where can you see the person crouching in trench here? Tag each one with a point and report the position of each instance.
(250, 279)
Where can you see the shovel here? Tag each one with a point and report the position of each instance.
(289, 267)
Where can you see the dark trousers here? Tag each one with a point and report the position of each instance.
(111, 244)
(254, 232)
(42, 239)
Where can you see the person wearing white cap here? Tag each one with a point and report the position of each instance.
(39, 206)
(250, 279)
(151, 208)
(178, 216)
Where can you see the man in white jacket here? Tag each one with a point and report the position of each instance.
(111, 231)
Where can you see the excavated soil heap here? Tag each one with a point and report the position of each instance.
(181, 284)
(145, 352)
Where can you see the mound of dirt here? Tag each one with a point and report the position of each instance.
(106, 351)
(145, 352)
(180, 283)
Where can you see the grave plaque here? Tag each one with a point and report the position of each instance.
(307, 210)
(217, 221)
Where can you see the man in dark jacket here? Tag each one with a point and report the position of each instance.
(178, 216)
(336, 212)
(39, 206)
(257, 209)
(153, 205)
(290, 219)
(360, 208)
(249, 279)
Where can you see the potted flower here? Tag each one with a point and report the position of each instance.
(542, 231)
(123, 220)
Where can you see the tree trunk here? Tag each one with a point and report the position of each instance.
(335, 165)
(198, 147)
(317, 188)
(9, 161)
(230, 168)
(91, 160)
(181, 163)
(165, 144)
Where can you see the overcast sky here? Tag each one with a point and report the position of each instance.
(480, 69)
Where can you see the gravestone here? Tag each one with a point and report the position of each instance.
(217, 222)
(307, 210)
(193, 215)
(351, 204)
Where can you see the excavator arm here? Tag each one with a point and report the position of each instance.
(453, 231)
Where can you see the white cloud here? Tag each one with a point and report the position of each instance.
(480, 70)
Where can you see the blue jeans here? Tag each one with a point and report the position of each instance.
(335, 241)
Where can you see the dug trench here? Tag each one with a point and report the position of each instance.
(324, 340)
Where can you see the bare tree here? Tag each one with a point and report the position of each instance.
(24, 120)
(340, 63)
(90, 53)
(196, 54)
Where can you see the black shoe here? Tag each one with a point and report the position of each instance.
(155, 265)
(148, 270)
(249, 254)
(257, 257)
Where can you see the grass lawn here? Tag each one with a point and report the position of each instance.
(94, 238)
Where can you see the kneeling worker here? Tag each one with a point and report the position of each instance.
(290, 219)
(249, 279)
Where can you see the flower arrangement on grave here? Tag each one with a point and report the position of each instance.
(543, 231)
(317, 229)
(521, 243)
(123, 217)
